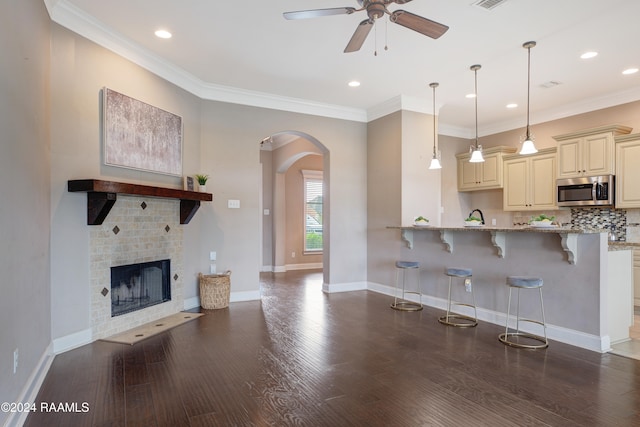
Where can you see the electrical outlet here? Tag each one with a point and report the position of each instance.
(15, 361)
(493, 221)
(293, 254)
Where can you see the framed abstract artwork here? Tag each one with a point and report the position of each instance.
(140, 136)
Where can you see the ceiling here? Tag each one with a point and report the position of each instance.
(246, 52)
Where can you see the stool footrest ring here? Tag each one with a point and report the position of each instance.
(447, 320)
(504, 338)
(406, 306)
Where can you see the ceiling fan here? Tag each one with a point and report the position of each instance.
(375, 9)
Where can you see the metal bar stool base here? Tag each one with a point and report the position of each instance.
(456, 319)
(401, 303)
(505, 339)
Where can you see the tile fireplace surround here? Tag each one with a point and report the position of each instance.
(138, 229)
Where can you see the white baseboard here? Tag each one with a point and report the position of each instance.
(600, 344)
(244, 296)
(331, 288)
(192, 302)
(71, 341)
(305, 266)
(290, 267)
(31, 388)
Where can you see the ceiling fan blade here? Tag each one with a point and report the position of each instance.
(417, 23)
(304, 14)
(359, 36)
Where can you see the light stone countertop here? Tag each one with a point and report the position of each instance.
(520, 229)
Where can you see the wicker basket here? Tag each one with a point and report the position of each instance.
(215, 290)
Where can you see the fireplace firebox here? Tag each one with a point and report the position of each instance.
(136, 286)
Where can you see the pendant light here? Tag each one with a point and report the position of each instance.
(476, 150)
(527, 145)
(435, 161)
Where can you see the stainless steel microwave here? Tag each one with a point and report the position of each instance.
(586, 191)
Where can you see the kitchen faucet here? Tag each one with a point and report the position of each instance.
(480, 212)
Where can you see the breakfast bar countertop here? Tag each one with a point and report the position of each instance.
(521, 228)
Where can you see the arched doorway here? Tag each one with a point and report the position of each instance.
(283, 156)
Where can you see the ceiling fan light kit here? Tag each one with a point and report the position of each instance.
(528, 147)
(476, 150)
(375, 9)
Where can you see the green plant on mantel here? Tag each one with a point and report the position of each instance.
(202, 179)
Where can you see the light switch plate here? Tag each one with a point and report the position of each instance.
(233, 204)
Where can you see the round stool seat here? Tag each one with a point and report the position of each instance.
(524, 282)
(407, 264)
(459, 272)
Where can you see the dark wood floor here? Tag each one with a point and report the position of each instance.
(300, 357)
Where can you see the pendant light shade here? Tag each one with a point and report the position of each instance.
(528, 147)
(435, 161)
(476, 149)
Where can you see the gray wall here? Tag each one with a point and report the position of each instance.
(24, 185)
(221, 140)
(79, 71)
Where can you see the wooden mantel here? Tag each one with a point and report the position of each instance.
(101, 196)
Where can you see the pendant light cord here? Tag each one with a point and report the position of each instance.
(528, 87)
(434, 86)
(475, 70)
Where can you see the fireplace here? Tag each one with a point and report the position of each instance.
(137, 286)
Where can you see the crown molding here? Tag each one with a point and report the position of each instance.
(67, 15)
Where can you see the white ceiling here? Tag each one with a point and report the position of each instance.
(246, 52)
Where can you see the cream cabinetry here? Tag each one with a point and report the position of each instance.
(589, 152)
(636, 277)
(530, 181)
(485, 175)
(628, 171)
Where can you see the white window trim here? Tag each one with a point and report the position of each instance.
(314, 175)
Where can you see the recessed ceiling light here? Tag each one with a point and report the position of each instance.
(470, 95)
(163, 34)
(630, 71)
(589, 55)
(512, 105)
(354, 83)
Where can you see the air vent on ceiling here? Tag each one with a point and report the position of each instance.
(489, 4)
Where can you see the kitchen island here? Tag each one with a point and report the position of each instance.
(587, 287)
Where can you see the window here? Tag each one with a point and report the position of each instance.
(312, 211)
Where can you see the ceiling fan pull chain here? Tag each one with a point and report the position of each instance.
(375, 36)
(386, 31)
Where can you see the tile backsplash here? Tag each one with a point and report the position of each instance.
(614, 220)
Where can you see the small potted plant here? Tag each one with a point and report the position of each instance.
(473, 221)
(421, 221)
(542, 220)
(202, 182)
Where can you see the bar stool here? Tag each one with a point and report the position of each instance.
(456, 319)
(402, 267)
(512, 338)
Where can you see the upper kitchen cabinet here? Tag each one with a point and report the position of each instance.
(589, 152)
(628, 171)
(485, 175)
(530, 181)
